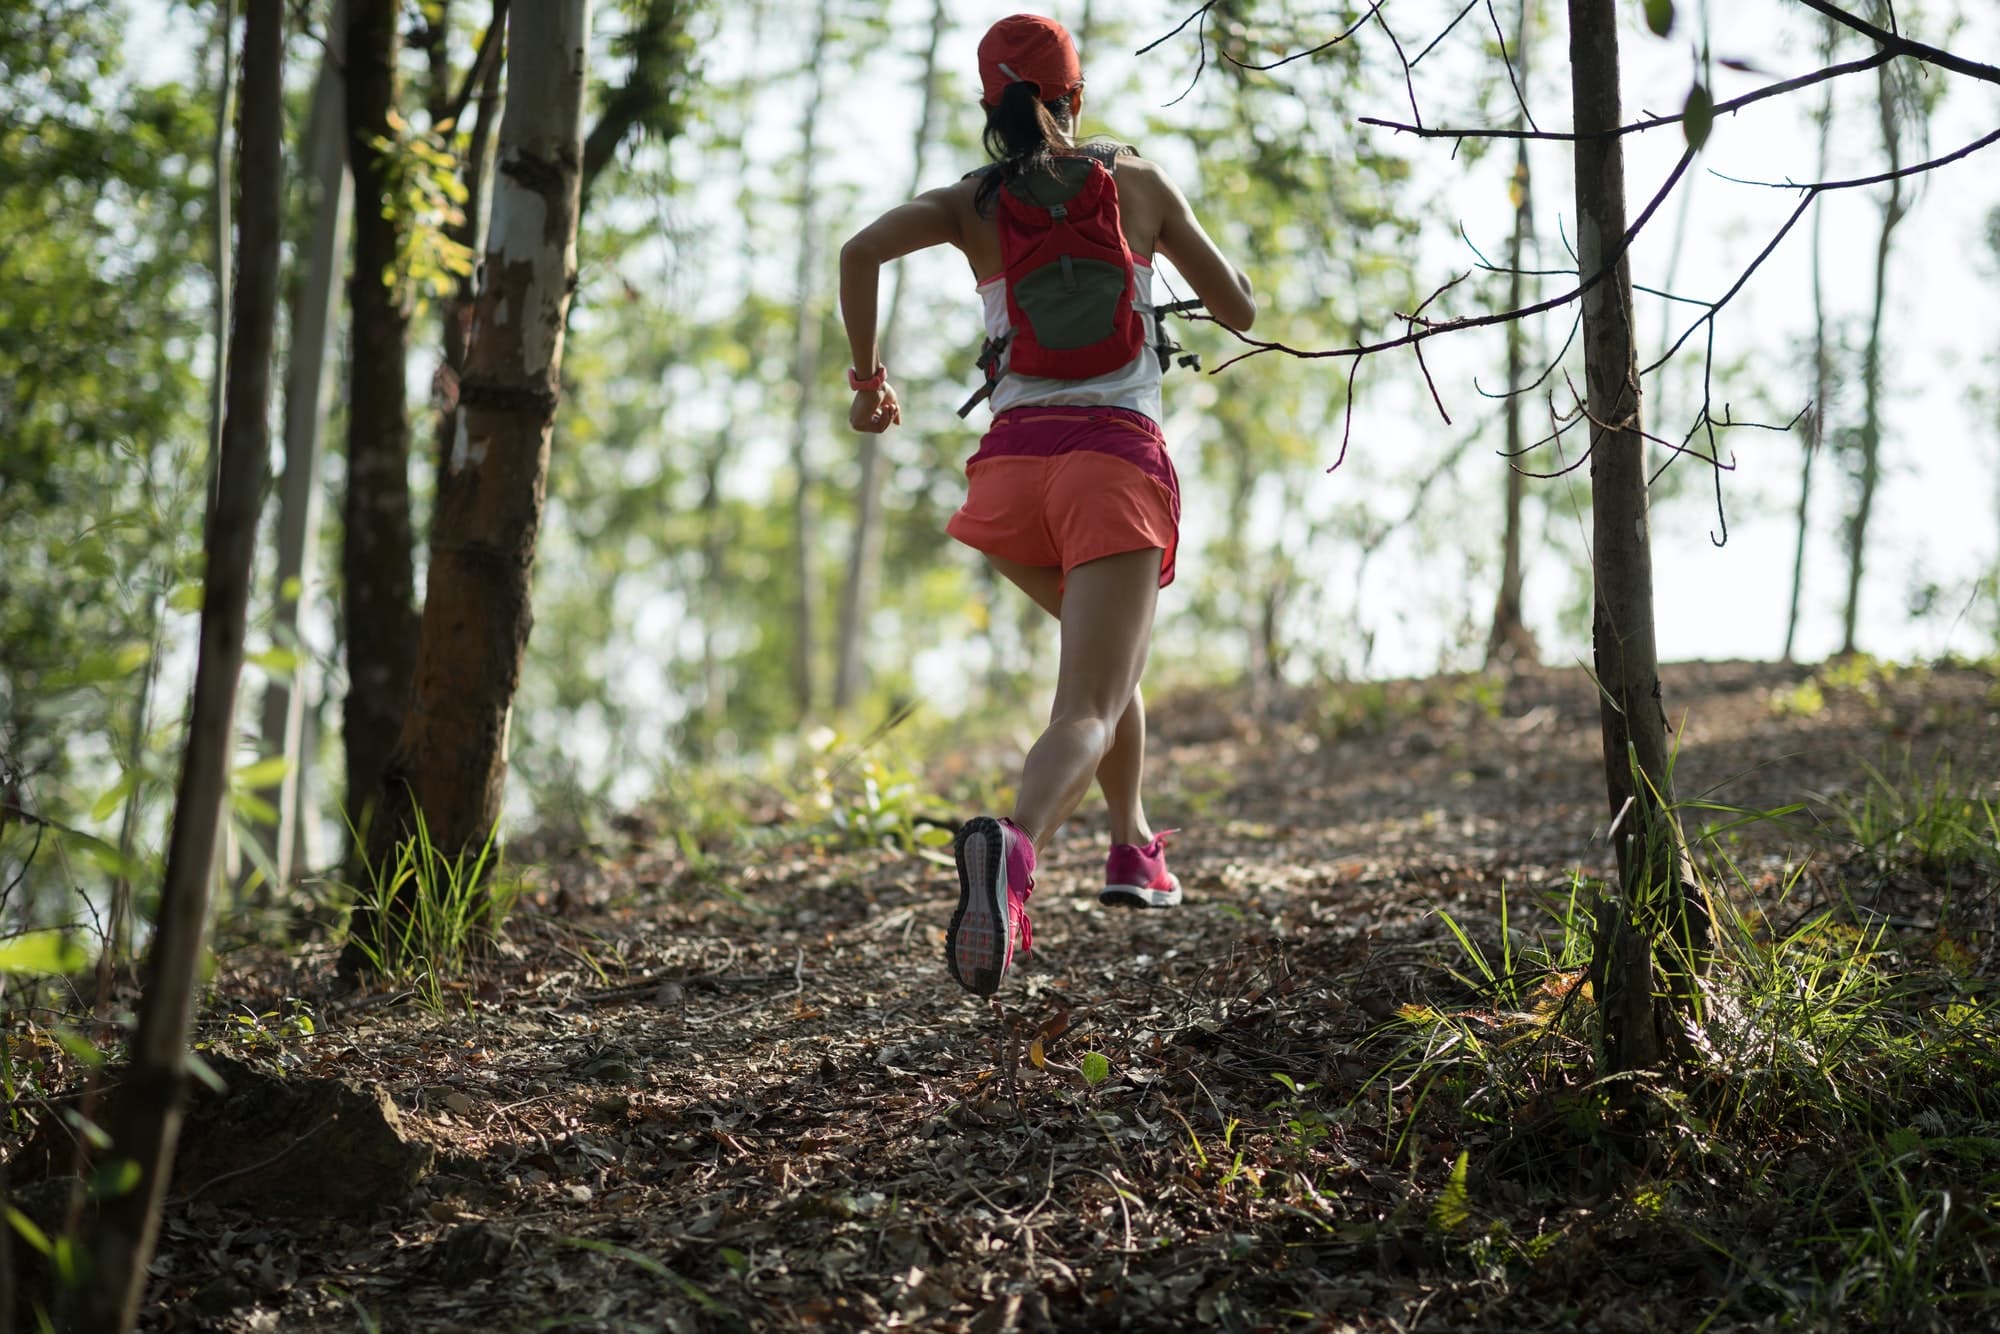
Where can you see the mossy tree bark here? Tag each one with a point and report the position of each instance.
(126, 1228)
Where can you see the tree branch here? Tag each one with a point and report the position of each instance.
(1903, 46)
(1259, 346)
(489, 51)
(1569, 136)
(650, 93)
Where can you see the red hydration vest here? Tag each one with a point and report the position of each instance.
(1068, 271)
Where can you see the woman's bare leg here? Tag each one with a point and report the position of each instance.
(1107, 624)
(1123, 770)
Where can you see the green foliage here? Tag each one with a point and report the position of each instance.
(424, 192)
(100, 407)
(1930, 820)
(867, 802)
(55, 952)
(1453, 1209)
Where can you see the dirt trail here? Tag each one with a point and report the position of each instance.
(748, 1094)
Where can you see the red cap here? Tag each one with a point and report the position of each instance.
(1027, 48)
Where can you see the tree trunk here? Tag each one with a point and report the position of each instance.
(451, 760)
(864, 556)
(219, 235)
(378, 613)
(1509, 639)
(307, 394)
(1815, 422)
(805, 372)
(714, 593)
(1636, 1020)
(1868, 472)
(127, 1225)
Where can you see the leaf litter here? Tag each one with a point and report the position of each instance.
(670, 1107)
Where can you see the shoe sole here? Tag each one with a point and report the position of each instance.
(975, 946)
(1138, 896)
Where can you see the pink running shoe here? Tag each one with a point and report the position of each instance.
(996, 874)
(1138, 877)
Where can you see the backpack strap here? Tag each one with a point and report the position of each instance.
(989, 364)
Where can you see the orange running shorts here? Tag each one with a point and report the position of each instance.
(1062, 486)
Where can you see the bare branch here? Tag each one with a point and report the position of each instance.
(1813, 190)
(1157, 41)
(1903, 46)
(1259, 346)
(1877, 179)
(1569, 136)
(1470, 5)
(1296, 55)
(489, 51)
(1409, 82)
(1507, 59)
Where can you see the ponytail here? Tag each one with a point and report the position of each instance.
(1020, 131)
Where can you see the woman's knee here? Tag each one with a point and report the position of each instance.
(1089, 728)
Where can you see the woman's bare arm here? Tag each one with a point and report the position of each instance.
(1220, 284)
(928, 220)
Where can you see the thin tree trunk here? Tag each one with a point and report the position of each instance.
(308, 394)
(219, 236)
(714, 593)
(864, 557)
(451, 760)
(1509, 638)
(1635, 1023)
(1815, 422)
(376, 567)
(145, 1131)
(805, 373)
(1869, 471)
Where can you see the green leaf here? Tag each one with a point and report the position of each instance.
(1454, 1208)
(30, 1233)
(187, 597)
(80, 1048)
(115, 795)
(276, 661)
(118, 1177)
(1660, 16)
(42, 952)
(205, 1072)
(1096, 1068)
(931, 836)
(261, 773)
(1698, 117)
(93, 1134)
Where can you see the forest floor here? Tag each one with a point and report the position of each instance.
(734, 1087)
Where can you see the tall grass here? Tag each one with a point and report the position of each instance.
(438, 912)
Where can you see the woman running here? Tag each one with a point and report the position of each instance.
(1071, 494)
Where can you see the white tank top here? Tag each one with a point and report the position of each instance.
(1135, 385)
